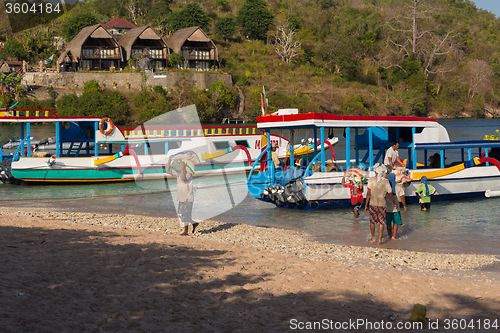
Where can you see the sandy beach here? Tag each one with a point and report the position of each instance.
(77, 272)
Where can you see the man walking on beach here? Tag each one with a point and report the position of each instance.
(378, 188)
(185, 193)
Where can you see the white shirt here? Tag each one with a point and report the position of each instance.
(393, 154)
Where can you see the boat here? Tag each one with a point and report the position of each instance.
(467, 171)
(125, 154)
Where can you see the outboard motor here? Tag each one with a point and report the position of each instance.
(5, 174)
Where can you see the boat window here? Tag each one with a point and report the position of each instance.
(243, 143)
(174, 144)
(220, 145)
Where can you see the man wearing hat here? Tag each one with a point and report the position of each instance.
(274, 155)
(185, 193)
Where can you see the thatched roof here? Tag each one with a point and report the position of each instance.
(146, 33)
(118, 22)
(67, 56)
(96, 32)
(192, 34)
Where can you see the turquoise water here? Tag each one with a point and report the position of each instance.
(461, 226)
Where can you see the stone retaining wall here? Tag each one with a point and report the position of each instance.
(134, 81)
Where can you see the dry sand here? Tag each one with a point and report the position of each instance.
(70, 272)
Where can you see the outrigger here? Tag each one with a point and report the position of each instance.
(473, 173)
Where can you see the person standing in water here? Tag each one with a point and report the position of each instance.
(356, 193)
(424, 192)
(393, 214)
(378, 188)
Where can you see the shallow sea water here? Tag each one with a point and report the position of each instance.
(460, 226)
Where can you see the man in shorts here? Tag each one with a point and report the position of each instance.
(393, 214)
(378, 188)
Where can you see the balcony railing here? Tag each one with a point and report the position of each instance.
(99, 54)
(152, 54)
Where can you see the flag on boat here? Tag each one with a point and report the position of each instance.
(262, 105)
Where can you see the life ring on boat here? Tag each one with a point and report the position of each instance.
(109, 126)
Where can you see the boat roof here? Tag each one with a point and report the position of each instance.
(459, 144)
(35, 119)
(311, 120)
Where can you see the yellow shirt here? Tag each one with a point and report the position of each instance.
(276, 160)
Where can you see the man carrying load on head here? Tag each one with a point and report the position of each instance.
(378, 187)
(185, 194)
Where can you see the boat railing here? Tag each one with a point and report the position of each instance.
(189, 132)
(257, 161)
(313, 161)
(27, 113)
(17, 153)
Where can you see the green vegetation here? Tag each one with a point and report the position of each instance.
(352, 56)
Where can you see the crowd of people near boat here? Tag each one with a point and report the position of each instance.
(385, 196)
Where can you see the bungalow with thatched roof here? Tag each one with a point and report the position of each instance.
(144, 42)
(7, 67)
(94, 48)
(199, 51)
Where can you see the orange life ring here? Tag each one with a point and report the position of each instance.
(109, 125)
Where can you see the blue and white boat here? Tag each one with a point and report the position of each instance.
(467, 171)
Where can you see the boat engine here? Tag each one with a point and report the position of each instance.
(5, 174)
(290, 194)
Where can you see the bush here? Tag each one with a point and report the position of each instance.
(95, 103)
(355, 105)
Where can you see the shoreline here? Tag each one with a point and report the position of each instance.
(288, 242)
(74, 272)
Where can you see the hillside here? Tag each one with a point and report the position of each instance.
(378, 57)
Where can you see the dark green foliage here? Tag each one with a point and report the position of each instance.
(226, 27)
(174, 59)
(14, 49)
(96, 103)
(223, 5)
(255, 18)
(36, 104)
(76, 23)
(355, 105)
(53, 94)
(159, 90)
(189, 16)
(150, 104)
(159, 11)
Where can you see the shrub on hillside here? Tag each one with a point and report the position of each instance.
(95, 103)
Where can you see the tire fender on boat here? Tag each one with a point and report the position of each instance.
(109, 126)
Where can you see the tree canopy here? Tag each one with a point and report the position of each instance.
(255, 18)
(76, 23)
(189, 16)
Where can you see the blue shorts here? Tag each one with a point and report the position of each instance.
(391, 218)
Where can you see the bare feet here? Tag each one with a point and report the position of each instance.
(371, 240)
(184, 234)
(194, 226)
(380, 243)
(394, 238)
